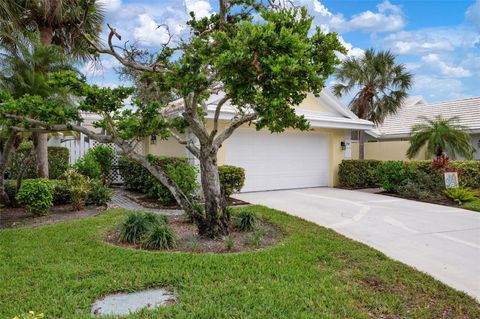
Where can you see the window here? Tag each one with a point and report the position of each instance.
(153, 139)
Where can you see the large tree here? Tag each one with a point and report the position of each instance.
(264, 67)
(379, 85)
(440, 135)
(58, 22)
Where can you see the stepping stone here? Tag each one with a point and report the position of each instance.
(125, 303)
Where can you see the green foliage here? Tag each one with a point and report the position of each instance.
(358, 173)
(382, 84)
(24, 159)
(104, 156)
(440, 135)
(78, 186)
(232, 178)
(473, 205)
(246, 220)
(395, 174)
(427, 184)
(99, 193)
(87, 165)
(159, 236)
(137, 225)
(36, 195)
(229, 243)
(468, 172)
(138, 178)
(460, 195)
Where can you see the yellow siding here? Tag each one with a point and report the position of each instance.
(168, 147)
(312, 103)
(386, 150)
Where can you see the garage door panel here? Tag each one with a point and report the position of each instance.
(279, 161)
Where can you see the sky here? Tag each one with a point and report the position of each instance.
(437, 40)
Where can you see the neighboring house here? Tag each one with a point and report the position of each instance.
(291, 159)
(390, 140)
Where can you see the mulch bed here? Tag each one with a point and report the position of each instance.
(148, 202)
(188, 240)
(18, 217)
(443, 201)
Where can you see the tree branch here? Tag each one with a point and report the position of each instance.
(216, 116)
(191, 116)
(232, 127)
(189, 144)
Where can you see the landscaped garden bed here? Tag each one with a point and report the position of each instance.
(313, 272)
(418, 180)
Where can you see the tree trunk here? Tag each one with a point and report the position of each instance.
(217, 217)
(7, 149)
(40, 140)
(361, 145)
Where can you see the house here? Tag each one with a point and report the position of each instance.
(291, 159)
(390, 140)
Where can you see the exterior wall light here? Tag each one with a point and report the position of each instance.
(343, 145)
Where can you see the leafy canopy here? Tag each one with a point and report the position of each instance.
(440, 135)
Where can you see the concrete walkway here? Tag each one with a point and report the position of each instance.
(120, 200)
(439, 240)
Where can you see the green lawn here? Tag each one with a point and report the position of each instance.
(314, 273)
(473, 205)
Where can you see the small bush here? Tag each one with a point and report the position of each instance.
(138, 178)
(104, 156)
(78, 186)
(58, 161)
(232, 178)
(159, 236)
(87, 165)
(468, 172)
(358, 173)
(473, 205)
(460, 195)
(137, 224)
(229, 243)
(36, 195)
(394, 174)
(426, 185)
(61, 194)
(247, 220)
(99, 193)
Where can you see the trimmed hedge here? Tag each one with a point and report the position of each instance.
(58, 162)
(392, 175)
(36, 195)
(232, 178)
(358, 173)
(138, 178)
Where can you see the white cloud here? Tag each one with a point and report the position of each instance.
(351, 50)
(445, 69)
(149, 32)
(99, 67)
(432, 40)
(200, 7)
(473, 14)
(435, 89)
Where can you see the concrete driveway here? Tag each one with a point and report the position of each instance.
(441, 241)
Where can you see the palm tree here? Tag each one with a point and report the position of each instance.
(441, 135)
(59, 22)
(380, 84)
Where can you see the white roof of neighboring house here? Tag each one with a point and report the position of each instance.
(337, 117)
(400, 124)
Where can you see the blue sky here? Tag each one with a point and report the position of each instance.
(438, 41)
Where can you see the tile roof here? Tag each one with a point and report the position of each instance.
(400, 124)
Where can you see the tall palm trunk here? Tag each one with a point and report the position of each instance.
(40, 140)
(361, 145)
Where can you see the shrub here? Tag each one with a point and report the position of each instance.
(232, 178)
(58, 161)
(426, 185)
(99, 193)
(358, 173)
(36, 195)
(247, 220)
(138, 178)
(468, 173)
(87, 165)
(159, 236)
(460, 195)
(473, 205)
(137, 224)
(78, 186)
(394, 174)
(104, 156)
(61, 194)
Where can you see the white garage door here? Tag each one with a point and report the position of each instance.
(279, 161)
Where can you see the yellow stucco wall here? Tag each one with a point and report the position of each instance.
(386, 150)
(168, 147)
(312, 103)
